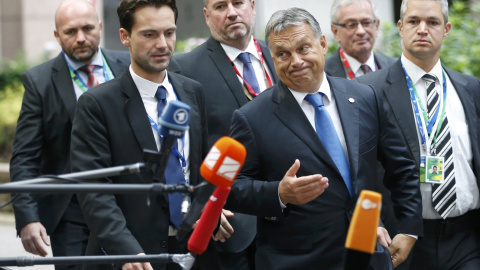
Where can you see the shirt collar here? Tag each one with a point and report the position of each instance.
(233, 52)
(149, 88)
(416, 73)
(324, 88)
(355, 64)
(97, 61)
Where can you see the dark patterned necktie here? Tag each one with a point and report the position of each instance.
(88, 70)
(249, 72)
(443, 195)
(366, 69)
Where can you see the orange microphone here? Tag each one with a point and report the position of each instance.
(220, 168)
(223, 162)
(362, 233)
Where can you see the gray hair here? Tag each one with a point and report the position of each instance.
(337, 4)
(444, 4)
(284, 19)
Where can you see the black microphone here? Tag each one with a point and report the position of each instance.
(173, 124)
(220, 168)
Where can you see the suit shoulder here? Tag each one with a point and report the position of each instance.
(454, 73)
(376, 77)
(261, 101)
(387, 58)
(120, 54)
(186, 58)
(42, 68)
(350, 85)
(185, 80)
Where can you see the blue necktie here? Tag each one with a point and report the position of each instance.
(248, 71)
(327, 134)
(173, 173)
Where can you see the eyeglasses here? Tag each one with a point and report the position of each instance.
(353, 24)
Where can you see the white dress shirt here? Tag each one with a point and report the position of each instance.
(97, 71)
(466, 185)
(147, 91)
(329, 105)
(355, 64)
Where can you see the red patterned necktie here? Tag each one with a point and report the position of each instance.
(88, 70)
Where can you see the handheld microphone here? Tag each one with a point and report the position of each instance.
(220, 168)
(362, 233)
(173, 124)
(200, 237)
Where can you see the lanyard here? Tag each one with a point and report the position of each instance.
(267, 78)
(174, 148)
(347, 67)
(107, 72)
(434, 126)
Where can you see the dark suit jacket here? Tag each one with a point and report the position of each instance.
(111, 128)
(209, 65)
(392, 86)
(315, 233)
(42, 140)
(334, 66)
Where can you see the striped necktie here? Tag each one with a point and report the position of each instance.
(443, 195)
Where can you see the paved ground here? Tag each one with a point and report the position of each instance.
(11, 246)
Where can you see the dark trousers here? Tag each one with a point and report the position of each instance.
(244, 260)
(451, 244)
(70, 238)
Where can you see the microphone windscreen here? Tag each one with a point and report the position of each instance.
(223, 162)
(362, 233)
(202, 233)
(174, 120)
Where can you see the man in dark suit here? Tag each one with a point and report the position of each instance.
(416, 82)
(42, 140)
(303, 210)
(115, 122)
(355, 26)
(216, 65)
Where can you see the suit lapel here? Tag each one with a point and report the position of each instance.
(224, 67)
(293, 117)
(136, 114)
(467, 99)
(349, 118)
(63, 84)
(396, 93)
(337, 68)
(269, 63)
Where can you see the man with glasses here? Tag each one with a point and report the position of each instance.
(355, 26)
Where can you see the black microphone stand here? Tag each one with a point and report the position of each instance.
(64, 184)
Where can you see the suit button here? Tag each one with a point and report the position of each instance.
(164, 244)
(165, 208)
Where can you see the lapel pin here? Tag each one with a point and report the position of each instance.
(351, 100)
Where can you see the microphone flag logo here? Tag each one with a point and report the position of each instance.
(229, 167)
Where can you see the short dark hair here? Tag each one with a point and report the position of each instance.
(126, 10)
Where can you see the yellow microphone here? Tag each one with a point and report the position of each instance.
(362, 233)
